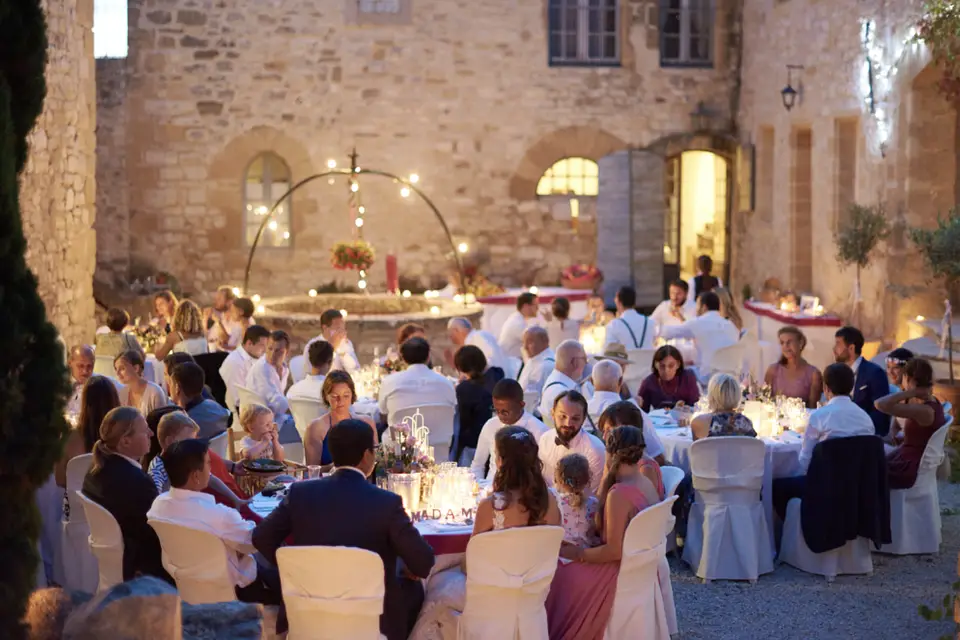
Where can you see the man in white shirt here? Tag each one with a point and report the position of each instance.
(607, 378)
(333, 329)
(508, 410)
(511, 334)
(269, 375)
(839, 418)
(321, 359)
(461, 332)
(629, 328)
(417, 385)
(672, 312)
(569, 437)
(571, 361)
(237, 365)
(187, 464)
(709, 330)
(540, 360)
(80, 363)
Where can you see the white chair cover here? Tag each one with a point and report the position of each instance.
(304, 412)
(672, 477)
(851, 558)
(727, 534)
(76, 568)
(103, 366)
(638, 606)
(915, 512)
(197, 561)
(219, 444)
(342, 602)
(106, 542)
(508, 578)
(728, 360)
(639, 368)
(247, 397)
(439, 418)
(298, 368)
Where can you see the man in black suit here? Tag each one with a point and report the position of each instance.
(346, 510)
(871, 381)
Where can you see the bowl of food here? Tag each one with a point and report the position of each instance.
(258, 474)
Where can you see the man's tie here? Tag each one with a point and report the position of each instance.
(561, 443)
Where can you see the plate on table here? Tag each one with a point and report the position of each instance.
(661, 419)
(264, 465)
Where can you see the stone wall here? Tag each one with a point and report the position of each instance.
(113, 219)
(914, 179)
(458, 91)
(57, 187)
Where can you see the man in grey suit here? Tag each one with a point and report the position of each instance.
(346, 510)
(186, 390)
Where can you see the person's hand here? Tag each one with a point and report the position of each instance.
(570, 551)
(239, 469)
(338, 336)
(240, 502)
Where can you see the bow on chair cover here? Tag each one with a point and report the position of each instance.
(508, 577)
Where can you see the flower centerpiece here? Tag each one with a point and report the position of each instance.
(148, 335)
(403, 457)
(581, 276)
(357, 255)
(392, 363)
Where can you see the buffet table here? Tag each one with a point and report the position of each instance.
(765, 320)
(497, 308)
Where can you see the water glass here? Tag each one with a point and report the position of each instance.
(313, 471)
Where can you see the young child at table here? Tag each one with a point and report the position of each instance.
(173, 427)
(261, 440)
(577, 508)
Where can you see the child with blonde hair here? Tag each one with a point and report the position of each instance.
(577, 508)
(261, 440)
(173, 427)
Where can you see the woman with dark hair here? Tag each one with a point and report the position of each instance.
(165, 306)
(98, 397)
(792, 376)
(922, 414)
(141, 393)
(474, 399)
(895, 361)
(560, 327)
(338, 394)
(582, 592)
(670, 384)
(116, 341)
(626, 413)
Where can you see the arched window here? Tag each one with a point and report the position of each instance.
(571, 186)
(267, 179)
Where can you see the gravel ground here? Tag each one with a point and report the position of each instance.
(789, 604)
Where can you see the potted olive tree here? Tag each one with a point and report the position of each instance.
(856, 238)
(940, 248)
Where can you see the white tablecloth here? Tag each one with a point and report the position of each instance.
(496, 309)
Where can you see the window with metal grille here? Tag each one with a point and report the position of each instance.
(686, 33)
(584, 32)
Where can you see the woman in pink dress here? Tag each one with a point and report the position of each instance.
(792, 376)
(582, 592)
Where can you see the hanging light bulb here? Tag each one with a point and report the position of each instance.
(273, 225)
(255, 297)
(354, 187)
(463, 247)
(363, 274)
(405, 192)
(236, 291)
(357, 170)
(362, 209)
(343, 312)
(286, 235)
(435, 310)
(331, 164)
(362, 284)
(359, 222)
(261, 309)
(312, 293)
(406, 293)
(414, 178)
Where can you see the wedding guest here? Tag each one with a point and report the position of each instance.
(582, 592)
(97, 398)
(607, 379)
(511, 334)
(117, 341)
(724, 395)
(338, 395)
(559, 325)
(186, 390)
(701, 283)
(461, 332)
(417, 385)
(508, 410)
(672, 311)
(215, 318)
(268, 376)
(839, 418)
(571, 360)
(188, 466)
(578, 509)
(474, 399)
(237, 365)
(187, 332)
(629, 328)
(346, 510)
(118, 484)
(670, 385)
(870, 382)
(140, 392)
(80, 364)
(895, 362)
(261, 440)
(410, 330)
(728, 308)
(238, 318)
(569, 414)
(923, 415)
(333, 329)
(165, 307)
(539, 360)
(320, 357)
(792, 376)
(173, 427)
(709, 330)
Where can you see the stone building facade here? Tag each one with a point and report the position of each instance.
(57, 188)
(461, 93)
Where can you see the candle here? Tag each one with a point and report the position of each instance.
(393, 277)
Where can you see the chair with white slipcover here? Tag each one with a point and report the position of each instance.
(298, 368)
(727, 534)
(853, 558)
(508, 577)
(672, 477)
(106, 542)
(639, 368)
(342, 602)
(639, 605)
(439, 418)
(75, 567)
(245, 397)
(103, 366)
(728, 360)
(915, 512)
(219, 444)
(197, 561)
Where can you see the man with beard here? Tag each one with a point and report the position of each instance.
(569, 413)
(870, 382)
(672, 311)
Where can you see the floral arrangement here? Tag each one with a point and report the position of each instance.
(392, 363)
(756, 391)
(148, 335)
(401, 453)
(478, 284)
(356, 256)
(581, 276)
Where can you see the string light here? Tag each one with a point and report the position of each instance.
(312, 293)
(359, 222)
(261, 309)
(236, 291)
(362, 284)
(286, 235)
(343, 312)
(331, 164)
(255, 297)
(354, 187)
(877, 78)
(406, 293)
(463, 247)
(362, 209)
(405, 192)
(435, 310)
(273, 225)
(414, 178)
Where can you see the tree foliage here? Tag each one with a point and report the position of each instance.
(859, 235)
(940, 248)
(33, 381)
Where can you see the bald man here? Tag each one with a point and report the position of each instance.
(539, 360)
(80, 362)
(571, 360)
(461, 333)
(607, 378)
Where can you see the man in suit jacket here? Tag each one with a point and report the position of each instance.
(346, 510)
(871, 381)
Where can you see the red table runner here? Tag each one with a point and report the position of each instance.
(798, 320)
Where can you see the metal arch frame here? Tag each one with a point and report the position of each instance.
(353, 172)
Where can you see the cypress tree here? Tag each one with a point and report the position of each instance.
(33, 378)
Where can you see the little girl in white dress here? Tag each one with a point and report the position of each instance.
(577, 509)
